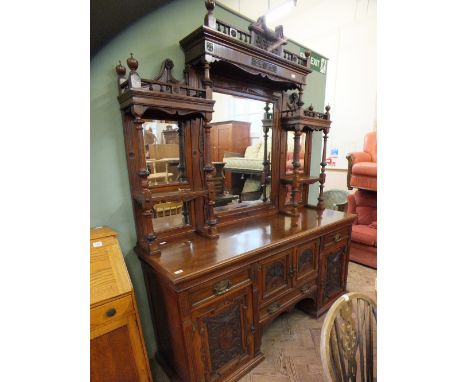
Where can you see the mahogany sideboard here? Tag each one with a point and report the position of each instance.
(215, 277)
(211, 299)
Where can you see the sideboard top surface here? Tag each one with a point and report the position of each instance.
(192, 255)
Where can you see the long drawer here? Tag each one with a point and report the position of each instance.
(218, 287)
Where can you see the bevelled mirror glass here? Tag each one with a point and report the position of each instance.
(241, 151)
(169, 214)
(289, 164)
(290, 153)
(162, 151)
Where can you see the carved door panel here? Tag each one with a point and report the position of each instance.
(333, 272)
(223, 335)
(277, 273)
(306, 261)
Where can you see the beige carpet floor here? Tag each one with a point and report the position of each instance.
(291, 344)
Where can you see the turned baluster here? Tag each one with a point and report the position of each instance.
(266, 161)
(185, 213)
(296, 164)
(181, 167)
(209, 168)
(322, 176)
(146, 211)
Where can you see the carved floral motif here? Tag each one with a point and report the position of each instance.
(274, 276)
(224, 336)
(305, 259)
(333, 275)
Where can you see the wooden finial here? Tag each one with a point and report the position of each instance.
(327, 108)
(132, 62)
(210, 19)
(209, 4)
(120, 69)
(307, 53)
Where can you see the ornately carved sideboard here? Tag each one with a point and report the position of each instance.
(219, 267)
(211, 299)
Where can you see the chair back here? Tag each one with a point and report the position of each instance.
(348, 340)
(370, 145)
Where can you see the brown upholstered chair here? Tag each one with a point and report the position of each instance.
(348, 341)
(362, 165)
(363, 249)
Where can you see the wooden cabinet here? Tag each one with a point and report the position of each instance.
(217, 308)
(275, 275)
(223, 338)
(332, 271)
(117, 351)
(231, 136)
(306, 261)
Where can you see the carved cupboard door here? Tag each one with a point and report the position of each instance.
(306, 261)
(333, 277)
(223, 335)
(277, 273)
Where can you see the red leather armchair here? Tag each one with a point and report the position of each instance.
(362, 165)
(364, 230)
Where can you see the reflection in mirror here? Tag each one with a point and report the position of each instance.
(290, 153)
(163, 143)
(241, 151)
(289, 164)
(167, 215)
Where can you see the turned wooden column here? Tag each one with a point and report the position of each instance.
(147, 237)
(181, 167)
(266, 177)
(209, 168)
(296, 164)
(323, 163)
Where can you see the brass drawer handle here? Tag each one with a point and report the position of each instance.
(337, 237)
(222, 287)
(111, 312)
(306, 289)
(273, 308)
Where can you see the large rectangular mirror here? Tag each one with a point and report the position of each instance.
(163, 142)
(241, 151)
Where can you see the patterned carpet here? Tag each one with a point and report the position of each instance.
(291, 344)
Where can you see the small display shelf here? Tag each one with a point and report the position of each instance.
(303, 179)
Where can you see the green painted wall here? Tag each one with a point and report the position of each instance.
(151, 39)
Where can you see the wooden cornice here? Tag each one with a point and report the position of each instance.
(210, 45)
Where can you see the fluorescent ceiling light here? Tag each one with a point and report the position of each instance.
(280, 11)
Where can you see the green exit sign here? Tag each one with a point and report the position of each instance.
(317, 62)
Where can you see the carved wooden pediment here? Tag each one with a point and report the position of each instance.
(264, 38)
(164, 94)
